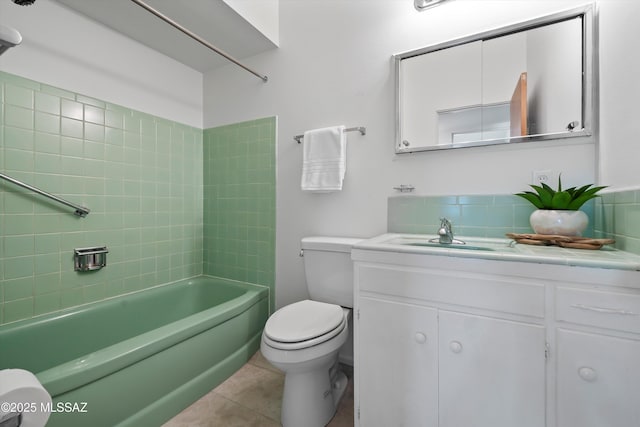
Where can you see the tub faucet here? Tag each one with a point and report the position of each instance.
(445, 232)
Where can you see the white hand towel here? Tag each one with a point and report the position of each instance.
(324, 159)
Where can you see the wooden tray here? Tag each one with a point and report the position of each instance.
(558, 240)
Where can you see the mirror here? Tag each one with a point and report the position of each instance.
(526, 82)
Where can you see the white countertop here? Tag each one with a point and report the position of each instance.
(503, 250)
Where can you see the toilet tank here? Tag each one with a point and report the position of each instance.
(328, 269)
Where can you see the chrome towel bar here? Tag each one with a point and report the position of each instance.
(361, 129)
(79, 210)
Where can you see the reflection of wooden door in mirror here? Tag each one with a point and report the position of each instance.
(518, 107)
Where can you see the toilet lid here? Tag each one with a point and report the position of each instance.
(303, 320)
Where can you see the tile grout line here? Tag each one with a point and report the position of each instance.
(251, 410)
(244, 406)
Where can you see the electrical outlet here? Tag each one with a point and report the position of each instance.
(542, 176)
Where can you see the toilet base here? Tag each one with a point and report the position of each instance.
(313, 382)
(339, 387)
(310, 398)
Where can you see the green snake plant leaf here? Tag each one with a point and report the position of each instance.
(545, 193)
(572, 198)
(587, 195)
(533, 198)
(561, 200)
(581, 190)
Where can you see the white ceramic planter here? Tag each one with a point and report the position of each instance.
(565, 223)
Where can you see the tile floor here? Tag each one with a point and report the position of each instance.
(252, 397)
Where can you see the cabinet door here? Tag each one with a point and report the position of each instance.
(598, 380)
(492, 372)
(398, 381)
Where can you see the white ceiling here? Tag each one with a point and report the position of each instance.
(213, 20)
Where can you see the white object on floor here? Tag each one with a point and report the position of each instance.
(22, 394)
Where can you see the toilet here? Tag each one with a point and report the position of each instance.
(303, 339)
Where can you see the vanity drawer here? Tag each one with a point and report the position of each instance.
(611, 310)
(488, 292)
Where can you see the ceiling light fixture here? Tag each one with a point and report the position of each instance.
(422, 5)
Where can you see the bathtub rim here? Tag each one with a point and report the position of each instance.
(93, 366)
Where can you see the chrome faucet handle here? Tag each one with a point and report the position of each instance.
(445, 224)
(445, 232)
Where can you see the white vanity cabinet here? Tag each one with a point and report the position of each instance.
(446, 341)
(491, 372)
(598, 357)
(598, 380)
(446, 348)
(400, 386)
(430, 367)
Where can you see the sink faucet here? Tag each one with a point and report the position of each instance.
(445, 232)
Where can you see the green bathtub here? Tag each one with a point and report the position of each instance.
(139, 359)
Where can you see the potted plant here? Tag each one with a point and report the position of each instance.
(558, 210)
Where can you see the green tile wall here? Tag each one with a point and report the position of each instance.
(477, 216)
(140, 175)
(239, 201)
(618, 217)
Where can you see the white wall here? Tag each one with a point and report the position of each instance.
(262, 14)
(619, 94)
(64, 49)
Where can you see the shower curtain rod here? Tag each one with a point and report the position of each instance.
(79, 210)
(198, 38)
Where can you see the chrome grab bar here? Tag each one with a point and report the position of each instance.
(79, 210)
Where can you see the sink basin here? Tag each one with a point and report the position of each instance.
(447, 246)
(392, 248)
(470, 244)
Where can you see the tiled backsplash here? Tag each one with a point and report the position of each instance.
(613, 215)
(618, 217)
(477, 216)
(240, 202)
(140, 175)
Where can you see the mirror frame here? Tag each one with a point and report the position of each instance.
(588, 13)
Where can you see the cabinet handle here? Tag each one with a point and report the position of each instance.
(420, 338)
(455, 346)
(604, 309)
(587, 374)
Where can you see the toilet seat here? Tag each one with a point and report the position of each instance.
(304, 324)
